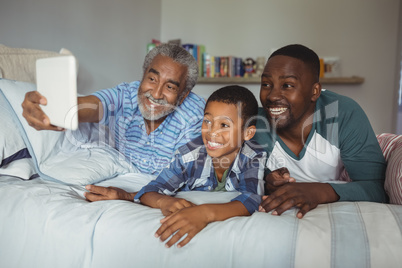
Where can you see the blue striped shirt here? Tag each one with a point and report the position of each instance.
(149, 153)
(191, 169)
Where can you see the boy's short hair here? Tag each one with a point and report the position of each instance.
(303, 53)
(238, 95)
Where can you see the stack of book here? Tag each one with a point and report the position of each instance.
(214, 66)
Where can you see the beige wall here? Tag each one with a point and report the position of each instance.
(363, 33)
(108, 37)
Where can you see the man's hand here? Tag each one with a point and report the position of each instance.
(305, 196)
(33, 113)
(90, 109)
(98, 193)
(276, 179)
(170, 204)
(190, 221)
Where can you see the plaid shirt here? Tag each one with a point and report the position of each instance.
(191, 170)
(149, 153)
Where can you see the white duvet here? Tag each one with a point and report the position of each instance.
(47, 224)
(46, 221)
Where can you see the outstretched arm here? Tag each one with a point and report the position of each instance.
(99, 193)
(192, 220)
(89, 110)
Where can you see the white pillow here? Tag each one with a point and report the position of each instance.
(391, 145)
(15, 159)
(72, 157)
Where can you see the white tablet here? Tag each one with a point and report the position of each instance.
(56, 79)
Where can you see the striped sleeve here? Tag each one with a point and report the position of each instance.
(113, 99)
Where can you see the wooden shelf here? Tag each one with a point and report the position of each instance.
(257, 80)
(342, 80)
(229, 80)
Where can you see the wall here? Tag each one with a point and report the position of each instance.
(362, 33)
(108, 37)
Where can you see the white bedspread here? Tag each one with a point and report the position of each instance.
(47, 224)
(46, 221)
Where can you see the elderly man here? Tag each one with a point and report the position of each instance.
(150, 119)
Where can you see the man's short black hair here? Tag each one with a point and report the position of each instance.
(303, 53)
(241, 96)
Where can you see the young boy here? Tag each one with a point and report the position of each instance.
(223, 158)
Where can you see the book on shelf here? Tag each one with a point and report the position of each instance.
(224, 67)
(212, 62)
(200, 53)
(197, 51)
(217, 66)
(239, 70)
(192, 49)
(207, 66)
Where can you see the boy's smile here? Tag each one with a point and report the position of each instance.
(214, 145)
(222, 131)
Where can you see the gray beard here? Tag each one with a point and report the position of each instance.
(149, 114)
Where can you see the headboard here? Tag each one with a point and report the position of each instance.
(19, 63)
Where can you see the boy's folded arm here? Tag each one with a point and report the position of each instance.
(167, 204)
(221, 212)
(207, 213)
(250, 201)
(151, 199)
(192, 220)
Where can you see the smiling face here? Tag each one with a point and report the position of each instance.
(161, 89)
(288, 93)
(222, 131)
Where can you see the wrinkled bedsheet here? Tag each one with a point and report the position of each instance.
(48, 224)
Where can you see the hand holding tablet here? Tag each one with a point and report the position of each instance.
(56, 79)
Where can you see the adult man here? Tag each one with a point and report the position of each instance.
(149, 119)
(314, 134)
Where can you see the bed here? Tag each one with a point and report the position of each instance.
(45, 220)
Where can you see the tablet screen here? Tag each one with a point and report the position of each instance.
(56, 79)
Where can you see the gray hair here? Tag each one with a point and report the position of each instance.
(179, 55)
